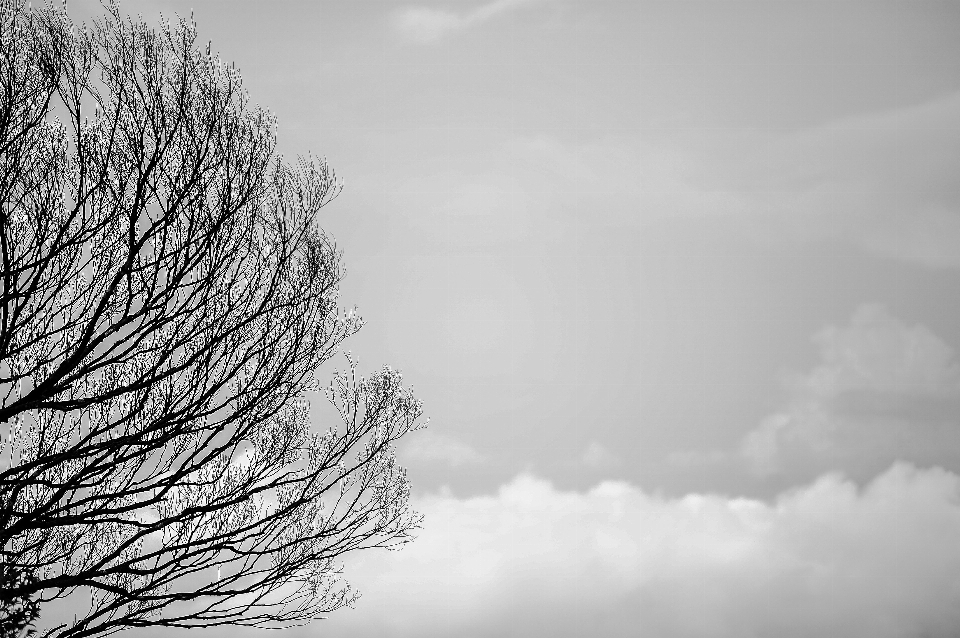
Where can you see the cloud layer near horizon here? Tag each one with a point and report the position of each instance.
(828, 558)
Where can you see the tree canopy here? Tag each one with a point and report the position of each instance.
(166, 297)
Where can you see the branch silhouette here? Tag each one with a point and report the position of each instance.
(167, 297)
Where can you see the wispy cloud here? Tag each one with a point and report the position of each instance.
(532, 197)
(424, 25)
(599, 457)
(883, 181)
(824, 559)
(430, 447)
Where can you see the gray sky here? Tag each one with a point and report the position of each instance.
(678, 283)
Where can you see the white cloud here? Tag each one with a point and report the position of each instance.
(884, 390)
(427, 24)
(824, 559)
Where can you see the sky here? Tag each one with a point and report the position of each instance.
(678, 283)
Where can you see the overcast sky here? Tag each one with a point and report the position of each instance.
(679, 285)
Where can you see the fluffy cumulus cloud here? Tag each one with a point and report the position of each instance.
(878, 352)
(828, 558)
(884, 390)
(424, 25)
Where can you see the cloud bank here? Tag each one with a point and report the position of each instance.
(532, 560)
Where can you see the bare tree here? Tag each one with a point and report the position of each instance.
(166, 298)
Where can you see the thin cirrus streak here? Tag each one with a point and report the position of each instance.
(424, 25)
